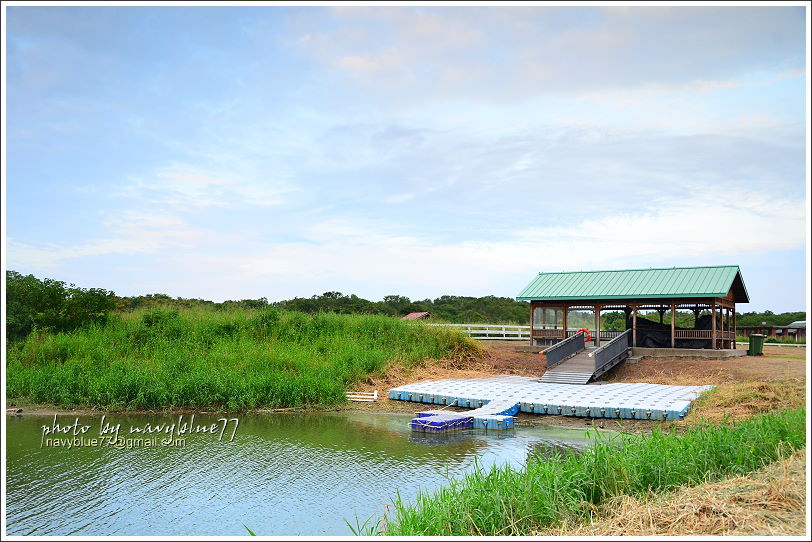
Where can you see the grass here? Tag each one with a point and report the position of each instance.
(234, 360)
(768, 502)
(781, 340)
(570, 488)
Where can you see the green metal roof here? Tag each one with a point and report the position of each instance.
(672, 282)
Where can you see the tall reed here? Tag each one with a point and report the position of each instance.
(237, 359)
(506, 501)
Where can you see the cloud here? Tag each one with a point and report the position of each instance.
(417, 54)
(132, 234)
(345, 254)
(185, 187)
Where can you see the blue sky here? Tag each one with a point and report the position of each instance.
(240, 152)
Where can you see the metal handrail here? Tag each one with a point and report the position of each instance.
(607, 345)
(561, 343)
(614, 347)
(563, 349)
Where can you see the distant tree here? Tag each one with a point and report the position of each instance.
(771, 319)
(50, 305)
(613, 321)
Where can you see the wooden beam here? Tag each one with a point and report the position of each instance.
(564, 323)
(673, 323)
(532, 314)
(713, 326)
(597, 325)
(734, 326)
(634, 326)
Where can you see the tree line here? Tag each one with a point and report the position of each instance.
(455, 309)
(53, 305)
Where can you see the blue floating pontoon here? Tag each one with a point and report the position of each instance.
(496, 400)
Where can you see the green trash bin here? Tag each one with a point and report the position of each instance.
(756, 346)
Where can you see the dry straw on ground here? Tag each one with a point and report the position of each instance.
(733, 402)
(768, 502)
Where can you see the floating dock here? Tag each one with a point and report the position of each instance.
(495, 414)
(503, 396)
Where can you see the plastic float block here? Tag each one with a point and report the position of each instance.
(497, 423)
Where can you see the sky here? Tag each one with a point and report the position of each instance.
(284, 151)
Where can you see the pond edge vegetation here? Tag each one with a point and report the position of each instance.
(235, 360)
(570, 488)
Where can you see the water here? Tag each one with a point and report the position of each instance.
(283, 474)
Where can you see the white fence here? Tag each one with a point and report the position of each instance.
(493, 331)
(802, 345)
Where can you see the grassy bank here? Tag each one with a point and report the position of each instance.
(505, 501)
(769, 502)
(238, 359)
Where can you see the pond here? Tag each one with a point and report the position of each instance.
(282, 474)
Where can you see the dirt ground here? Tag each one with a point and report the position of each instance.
(777, 363)
(746, 384)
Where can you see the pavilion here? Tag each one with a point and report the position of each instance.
(713, 289)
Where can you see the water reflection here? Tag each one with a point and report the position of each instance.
(283, 474)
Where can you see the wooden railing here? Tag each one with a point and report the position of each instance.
(522, 333)
(702, 334)
(548, 333)
(559, 334)
(605, 335)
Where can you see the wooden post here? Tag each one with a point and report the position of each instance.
(731, 342)
(713, 325)
(673, 323)
(734, 326)
(532, 314)
(597, 325)
(564, 323)
(634, 326)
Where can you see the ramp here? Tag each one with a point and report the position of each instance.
(576, 370)
(570, 362)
